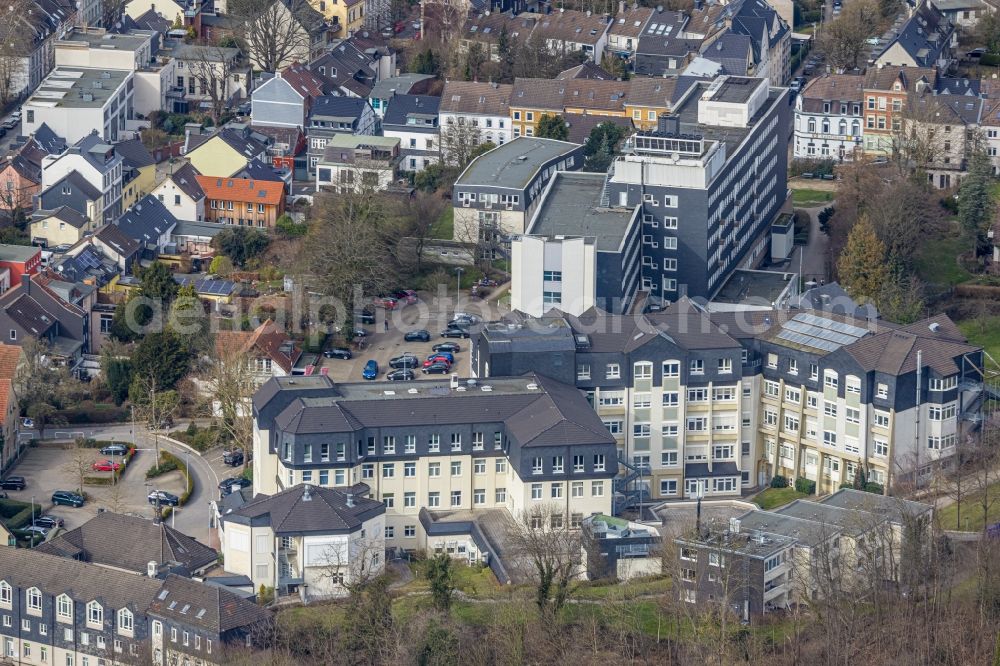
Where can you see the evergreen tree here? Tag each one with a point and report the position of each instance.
(438, 572)
(552, 127)
(862, 266)
(505, 51)
(975, 205)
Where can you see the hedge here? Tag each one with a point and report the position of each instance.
(89, 412)
(805, 486)
(779, 481)
(17, 514)
(167, 459)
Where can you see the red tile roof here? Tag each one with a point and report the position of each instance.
(10, 358)
(238, 189)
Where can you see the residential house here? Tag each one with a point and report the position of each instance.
(665, 46)
(74, 611)
(96, 161)
(43, 24)
(624, 31)
(308, 540)
(924, 40)
(194, 239)
(182, 195)
(991, 129)
(251, 203)
(150, 224)
(585, 70)
(198, 66)
(348, 16)
(313, 33)
(331, 115)
(21, 172)
(886, 91)
(620, 549)
(472, 113)
(170, 10)
(153, 547)
(771, 37)
(286, 148)
(11, 358)
(938, 129)
(62, 226)
(351, 163)
(75, 102)
(29, 310)
(19, 260)
(138, 171)
(530, 100)
(73, 191)
(268, 350)
(964, 13)
(354, 65)
(384, 90)
(564, 32)
(285, 99)
(498, 192)
(225, 151)
(413, 119)
(828, 117)
(650, 98)
(510, 457)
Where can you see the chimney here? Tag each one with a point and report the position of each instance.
(668, 124)
(306, 496)
(151, 568)
(621, 6)
(350, 500)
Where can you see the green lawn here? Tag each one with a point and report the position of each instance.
(474, 581)
(772, 498)
(810, 198)
(972, 512)
(985, 332)
(937, 261)
(641, 586)
(444, 228)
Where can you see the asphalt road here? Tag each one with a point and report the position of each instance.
(192, 519)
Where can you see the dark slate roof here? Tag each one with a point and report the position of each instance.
(147, 542)
(96, 143)
(182, 600)
(894, 352)
(64, 214)
(88, 263)
(48, 140)
(732, 51)
(147, 220)
(348, 66)
(28, 313)
(185, 179)
(402, 106)
(308, 509)
(257, 170)
(150, 20)
(134, 153)
(76, 179)
(115, 238)
(586, 70)
(237, 137)
(924, 35)
(337, 106)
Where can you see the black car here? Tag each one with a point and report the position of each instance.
(404, 375)
(455, 332)
(114, 450)
(163, 498)
(404, 361)
(13, 483)
(339, 352)
(233, 458)
(450, 347)
(229, 485)
(366, 317)
(68, 498)
(462, 322)
(437, 369)
(418, 336)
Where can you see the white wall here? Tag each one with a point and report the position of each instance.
(532, 256)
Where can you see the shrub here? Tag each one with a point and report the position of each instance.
(170, 459)
(289, 228)
(162, 468)
(247, 473)
(17, 514)
(875, 488)
(805, 486)
(779, 481)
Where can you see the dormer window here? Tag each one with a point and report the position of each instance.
(95, 614)
(34, 599)
(64, 607)
(6, 593)
(126, 621)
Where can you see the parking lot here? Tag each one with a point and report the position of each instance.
(430, 314)
(51, 466)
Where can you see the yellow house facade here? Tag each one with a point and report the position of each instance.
(215, 157)
(647, 100)
(348, 13)
(62, 226)
(140, 186)
(533, 98)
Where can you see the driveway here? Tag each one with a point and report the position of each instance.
(431, 313)
(813, 255)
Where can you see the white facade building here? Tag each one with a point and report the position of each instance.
(829, 118)
(73, 101)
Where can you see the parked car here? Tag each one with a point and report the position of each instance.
(406, 295)
(106, 466)
(387, 302)
(404, 361)
(13, 483)
(367, 316)
(68, 498)
(371, 370)
(165, 422)
(232, 484)
(27, 423)
(437, 369)
(360, 333)
(450, 347)
(403, 375)
(37, 529)
(233, 458)
(339, 352)
(976, 53)
(164, 498)
(420, 335)
(49, 522)
(114, 450)
(447, 355)
(437, 360)
(455, 332)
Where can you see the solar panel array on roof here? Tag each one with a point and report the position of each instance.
(820, 333)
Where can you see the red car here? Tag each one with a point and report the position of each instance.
(437, 359)
(106, 466)
(386, 302)
(407, 295)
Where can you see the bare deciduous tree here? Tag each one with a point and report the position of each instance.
(213, 68)
(231, 386)
(548, 553)
(458, 141)
(843, 38)
(16, 34)
(270, 31)
(418, 214)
